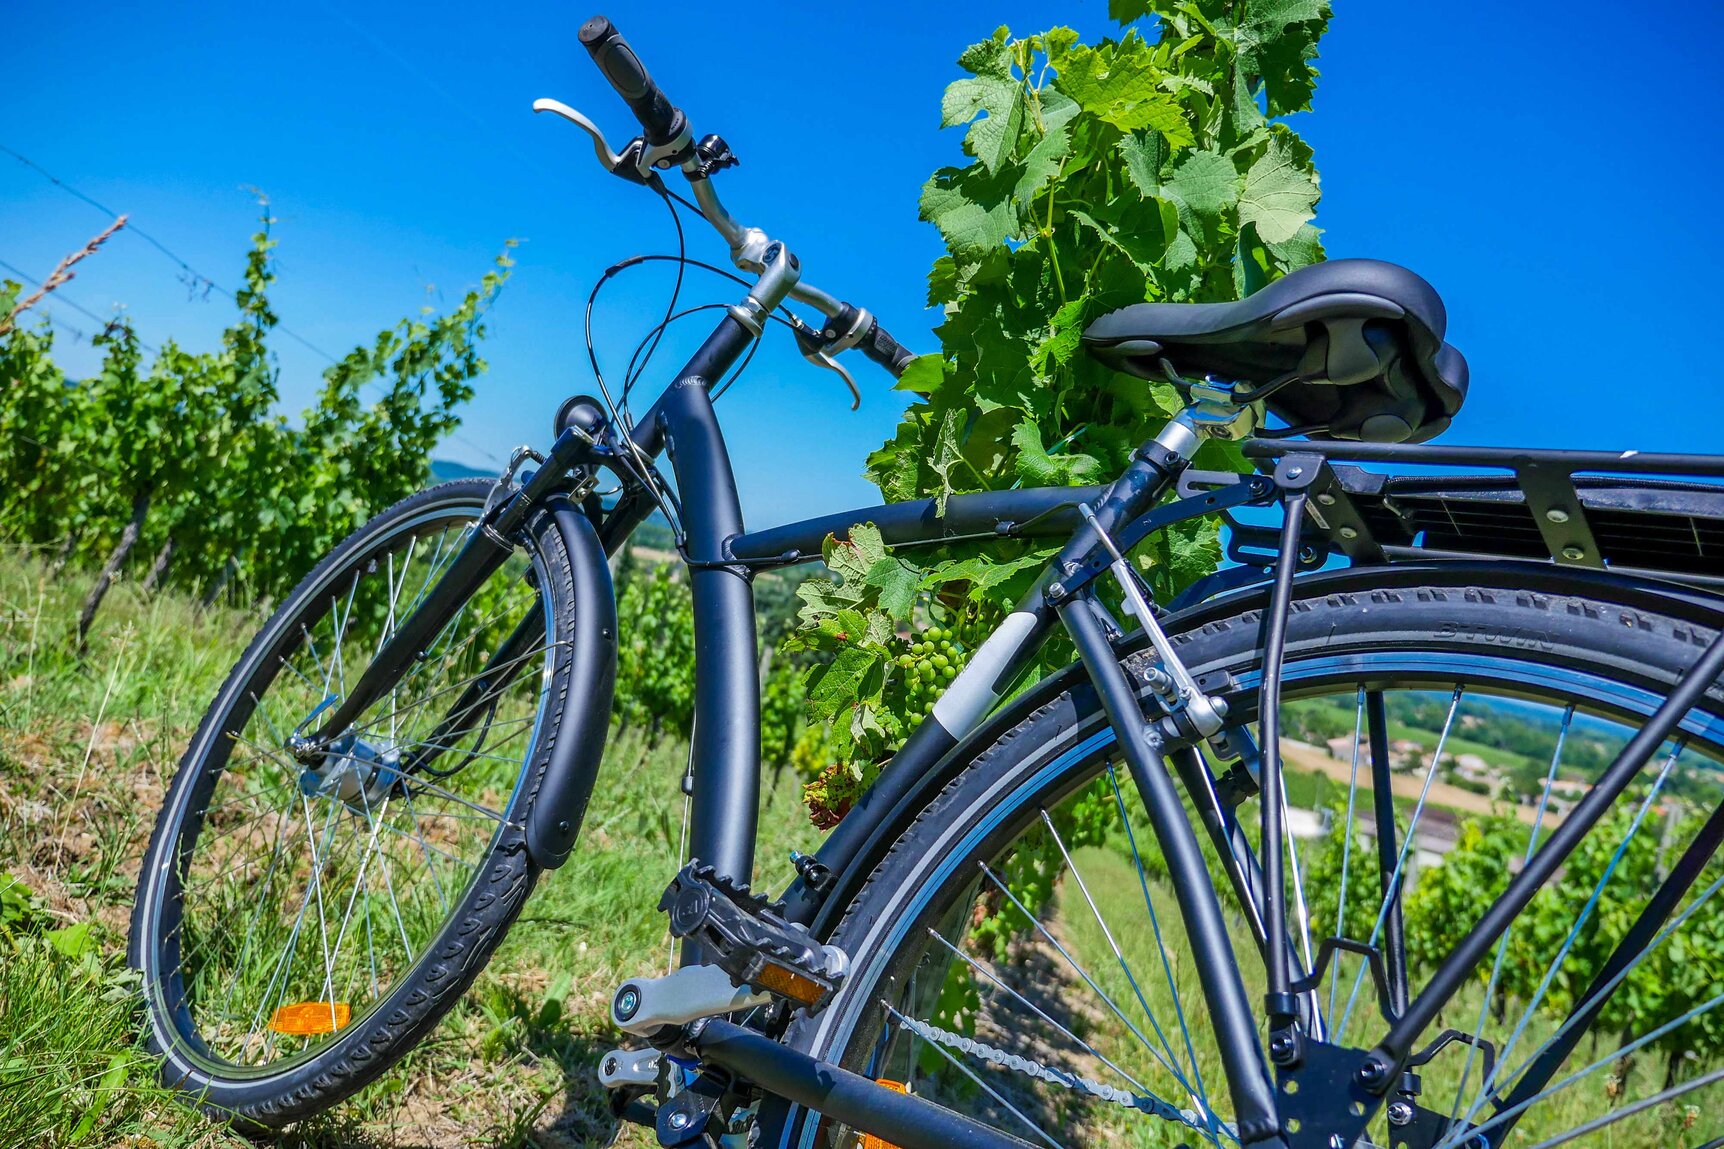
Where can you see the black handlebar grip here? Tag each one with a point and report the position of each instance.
(879, 346)
(659, 118)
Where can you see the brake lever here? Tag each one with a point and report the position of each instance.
(821, 359)
(606, 157)
(813, 349)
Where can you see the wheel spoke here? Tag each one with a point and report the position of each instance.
(1492, 1079)
(984, 1086)
(1161, 946)
(1392, 887)
(1087, 979)
(1502, 942)
(1033, 1008)
(1347, 842)
(1198, 1101)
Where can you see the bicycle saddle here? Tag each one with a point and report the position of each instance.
(1356, 346)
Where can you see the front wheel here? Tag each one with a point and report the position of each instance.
(300, 926)
(1019, 955)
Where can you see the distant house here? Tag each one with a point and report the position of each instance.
(1341, 746)
(1405, 754)
(1474, 768)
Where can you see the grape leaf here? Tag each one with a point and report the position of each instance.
(971, 219)
(1206, 182)
(1117, 84)
(1279, 196)
(896, 582)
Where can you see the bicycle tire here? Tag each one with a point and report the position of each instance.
(982, 809)
(267, 1100)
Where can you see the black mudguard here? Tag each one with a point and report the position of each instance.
(589, 641)
(1702, 607)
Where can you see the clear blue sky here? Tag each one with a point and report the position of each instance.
(1556, 177)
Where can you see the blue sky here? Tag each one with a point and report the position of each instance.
(1557, 179)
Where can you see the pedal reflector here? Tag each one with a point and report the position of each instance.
(304, 1018)
(869, 1141)
(786, 982)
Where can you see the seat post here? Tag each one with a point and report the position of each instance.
(1215, 413)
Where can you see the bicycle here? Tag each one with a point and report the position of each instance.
(412, 738)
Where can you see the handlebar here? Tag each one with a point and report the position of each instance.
(661, 120)
(666, 132)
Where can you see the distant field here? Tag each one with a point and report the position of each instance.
(1454, 746)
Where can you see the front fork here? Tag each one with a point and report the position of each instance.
(489, 545)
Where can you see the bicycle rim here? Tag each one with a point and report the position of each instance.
(1038, 978)
(296, 900)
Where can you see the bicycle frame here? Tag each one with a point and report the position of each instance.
(721, 557)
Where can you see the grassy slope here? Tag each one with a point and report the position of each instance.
(85, 751)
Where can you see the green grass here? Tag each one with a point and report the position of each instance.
(87, 747)
(86, 750)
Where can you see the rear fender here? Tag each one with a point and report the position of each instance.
(589, 640)
(1685, 603)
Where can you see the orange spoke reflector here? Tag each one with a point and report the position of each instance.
(308, 1017)
(869, 1141)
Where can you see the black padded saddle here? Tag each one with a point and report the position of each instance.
(1348, 349)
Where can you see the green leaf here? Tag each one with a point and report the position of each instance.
(1206, 182)
(999, 103)
(112, 1079)
(1038, 468)
(1302, 250)
(1118, 85)
(1041, 166)
(74, 941)
(897, 582)
(1279, 196)
(947, 453)
(1144, 153)
(971, 227)
(992, 57)
(923, 375)
(835, 686)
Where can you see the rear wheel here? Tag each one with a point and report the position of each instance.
(1019, 954)
(299, 929)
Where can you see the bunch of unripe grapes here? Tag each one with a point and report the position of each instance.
(932, 660)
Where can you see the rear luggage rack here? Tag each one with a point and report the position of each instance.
(1626, 511)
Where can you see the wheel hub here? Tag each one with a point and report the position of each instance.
(354, 771)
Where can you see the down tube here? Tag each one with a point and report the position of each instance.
(726, 737)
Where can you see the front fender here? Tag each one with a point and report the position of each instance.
(588, 640)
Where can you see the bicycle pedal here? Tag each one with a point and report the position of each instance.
(747, 936)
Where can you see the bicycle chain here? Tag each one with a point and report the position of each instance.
(1154, 1106)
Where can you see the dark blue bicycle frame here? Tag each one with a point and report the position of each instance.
(722, 557)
